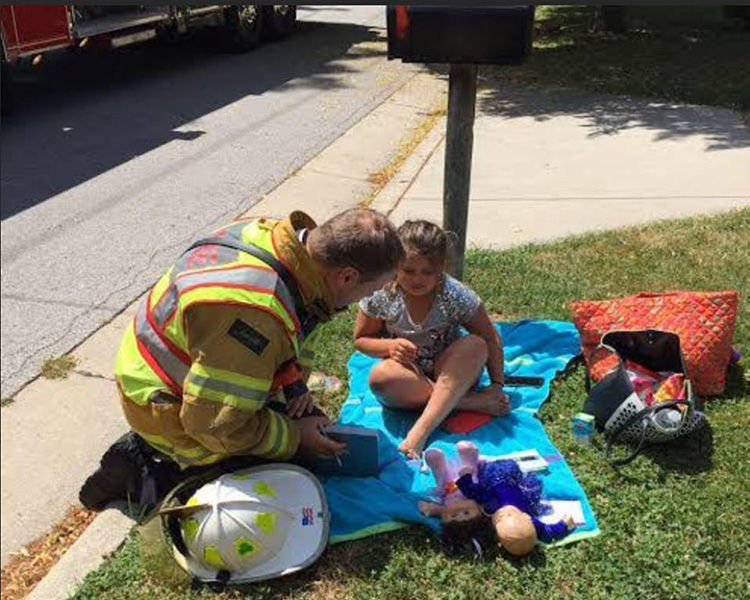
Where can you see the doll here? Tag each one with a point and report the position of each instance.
(495, 493)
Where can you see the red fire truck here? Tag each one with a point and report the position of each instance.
(32, 30)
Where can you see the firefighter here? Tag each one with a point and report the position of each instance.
(213, 368)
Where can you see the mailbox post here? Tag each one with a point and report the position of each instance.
(462, 37)
(459, 144)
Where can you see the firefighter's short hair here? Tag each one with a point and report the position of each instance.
(359, 238)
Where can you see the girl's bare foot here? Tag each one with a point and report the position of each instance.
(491, 401)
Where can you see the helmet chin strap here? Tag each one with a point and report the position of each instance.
(477, 547)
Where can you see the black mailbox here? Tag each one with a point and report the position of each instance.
(499, 35)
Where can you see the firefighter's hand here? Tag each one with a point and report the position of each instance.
(300, 405)
(313, 444)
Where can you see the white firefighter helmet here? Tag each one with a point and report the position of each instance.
(249, 525)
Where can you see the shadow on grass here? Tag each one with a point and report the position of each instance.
(337, 569)
(690, 455)
(736, 385)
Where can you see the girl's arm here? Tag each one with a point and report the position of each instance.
(481, 325)
(367, 337)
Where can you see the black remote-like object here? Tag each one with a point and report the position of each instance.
(520, 380)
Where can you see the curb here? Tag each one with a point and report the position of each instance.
(391, 195)
(100, 539)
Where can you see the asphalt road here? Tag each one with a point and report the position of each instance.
(110, 166)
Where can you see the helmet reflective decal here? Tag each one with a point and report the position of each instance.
(262, 488)
(266, 522)
(244, 547)
(212, 557)
(190, 529)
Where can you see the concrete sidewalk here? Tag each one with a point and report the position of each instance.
(551, 163)
(546, 164)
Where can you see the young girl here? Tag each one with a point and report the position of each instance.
(413, 324)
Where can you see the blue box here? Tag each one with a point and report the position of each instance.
(583, 428)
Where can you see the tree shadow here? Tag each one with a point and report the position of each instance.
(610, 115)
(666, 59)
(81, 115)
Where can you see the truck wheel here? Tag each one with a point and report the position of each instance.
(244, 25)
(279, 21)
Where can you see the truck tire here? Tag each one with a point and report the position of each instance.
(279, 21)
(244, 24)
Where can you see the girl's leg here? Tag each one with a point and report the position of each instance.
(489, 401)
(399, 387)
(459, 367)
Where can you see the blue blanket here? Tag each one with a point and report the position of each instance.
(365, 506)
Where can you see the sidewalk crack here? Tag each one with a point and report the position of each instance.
(93, 375)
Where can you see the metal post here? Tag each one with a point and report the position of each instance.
(462, 97)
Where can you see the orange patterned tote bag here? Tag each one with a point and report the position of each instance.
(704, 322)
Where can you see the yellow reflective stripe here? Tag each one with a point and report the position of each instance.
(192, 455)
(306, 357)
(219, 391)
(282, 436)
(227, 387)
(271, 434)
(247, 381)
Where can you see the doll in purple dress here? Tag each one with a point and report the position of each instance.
(497, 490)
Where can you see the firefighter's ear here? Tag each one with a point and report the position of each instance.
(349, 276)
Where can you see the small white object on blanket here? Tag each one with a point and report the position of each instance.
(562, 508)
(527, 460)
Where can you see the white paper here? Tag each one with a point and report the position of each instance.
(561, 508)
(528, 460)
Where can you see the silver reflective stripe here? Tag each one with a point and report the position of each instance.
(172, 366)
(228, 388)
(197, 258)
(246, 275)
(166, 306)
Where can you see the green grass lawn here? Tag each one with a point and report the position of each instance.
(674, 523)
(680, 53)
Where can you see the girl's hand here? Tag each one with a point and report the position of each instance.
(403, 352)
